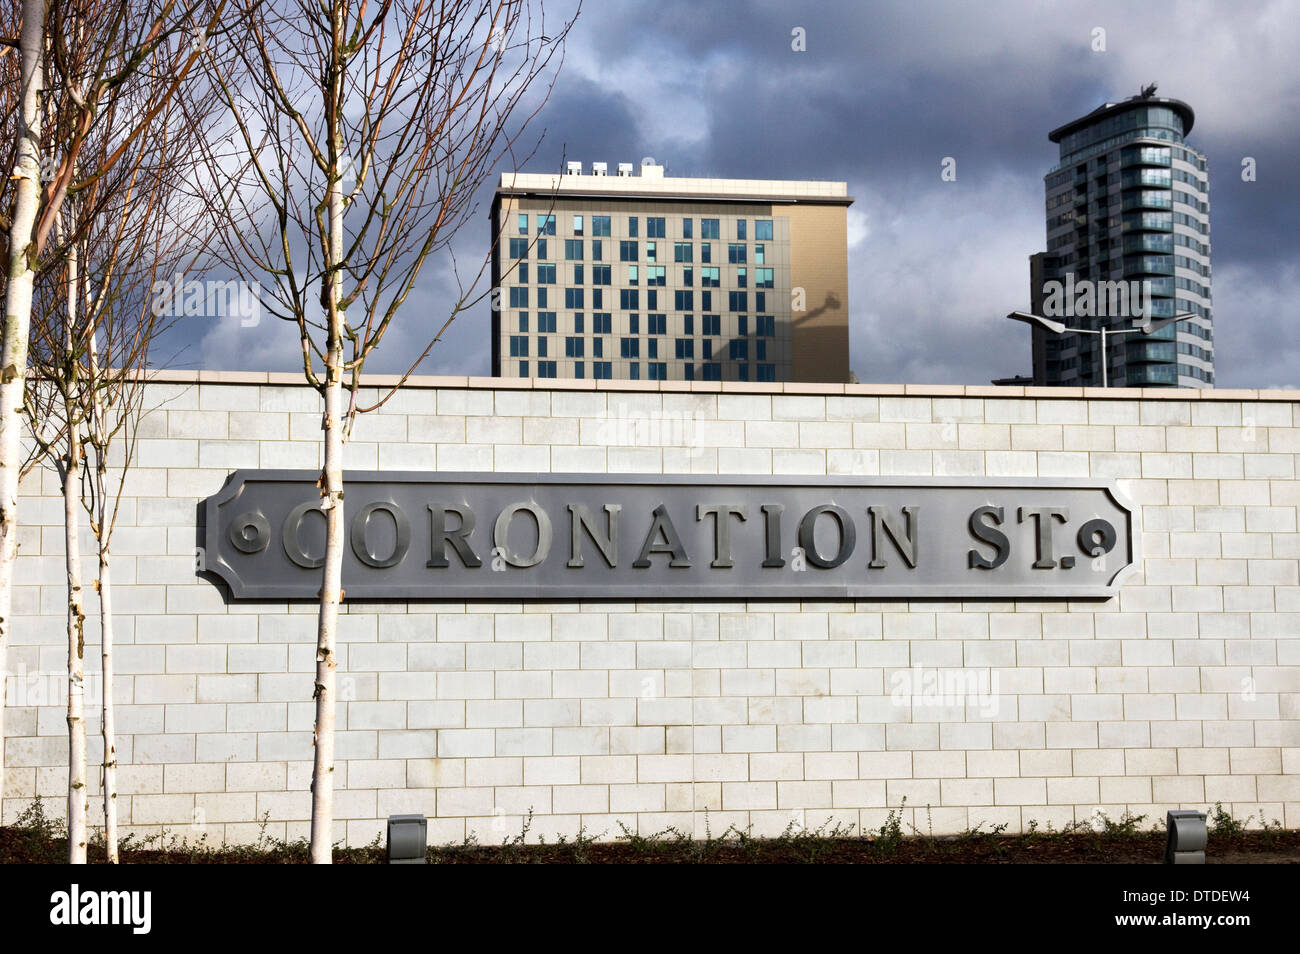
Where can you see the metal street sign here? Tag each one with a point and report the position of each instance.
(481, 536)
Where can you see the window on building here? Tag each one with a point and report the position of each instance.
(541, 298)
(541, 346)
(546, 369)
(764, 277)
(523, 320)
(600, 225)
(634, 324)
(658, 371)
(682, 251)
(632, 223)
(760, 349)
(683, 300)
(760, 254)
(685, 348)
(634, 371)
(629, 298)
(602, 370)
(518, 346)
(629, 347)
(688, 372)
(577, 225)
(598, 347)
(577, 323)
(521, 273)
(573, 347)
(760, 301)
(712, 324)
(546, 225)
(597, 250)
(706, 252)
(633, 274)
(598, 298)
(652, 350)
(654, 227)
(657, 324)
(627, 251)
(737, 301)
(651, 252)
(711, 277)
(573, 250)
(740, 229)
(578, 371)
(518, 248)
(742, 325)
(736, 254)
(706, 300)
(688, 324)
(577, 273)
(545, 274)
(762, 230)
(742, 278)
(539, 248)
(712, 371)
(686, 227)
(656, 275)
(742, 372)
(573, 298)
(709, 229)
(601, 323)
(546, 322)
(523, 369)
(601, 274)
(688, 276)
(767, 372)
(523, 223)
(652, 298)
(518, 297)
(765, 326)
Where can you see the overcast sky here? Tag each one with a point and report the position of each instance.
(883, 92)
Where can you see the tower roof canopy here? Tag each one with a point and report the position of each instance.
(1105, 110)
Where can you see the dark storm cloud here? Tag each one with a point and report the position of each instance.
(883, 93)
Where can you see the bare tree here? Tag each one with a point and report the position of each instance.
(106, 69)
(19, 225)
(89, 361)
(361, 132)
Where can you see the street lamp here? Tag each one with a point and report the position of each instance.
(1059, 327)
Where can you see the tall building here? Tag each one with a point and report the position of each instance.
(645, 277)
(1128, 202)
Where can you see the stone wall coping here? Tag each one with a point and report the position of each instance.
(418, 382)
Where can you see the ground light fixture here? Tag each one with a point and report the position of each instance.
(1187, 837)
(407, 839)
(1059, 328)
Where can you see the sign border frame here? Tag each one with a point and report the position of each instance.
(242, 590)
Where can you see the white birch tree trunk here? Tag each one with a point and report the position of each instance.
(103, 533)
(17, 321)
(77, 794)
(108, 728)
(331, 594)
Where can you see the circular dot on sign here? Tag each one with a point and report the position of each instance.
(250, 532)
(1097, 537)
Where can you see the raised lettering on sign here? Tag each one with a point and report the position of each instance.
(465, 537)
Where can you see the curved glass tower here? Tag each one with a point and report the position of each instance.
(1127, 212)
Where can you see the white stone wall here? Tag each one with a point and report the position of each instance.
(1183, 691)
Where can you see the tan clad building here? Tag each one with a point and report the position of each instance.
(638, 276)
